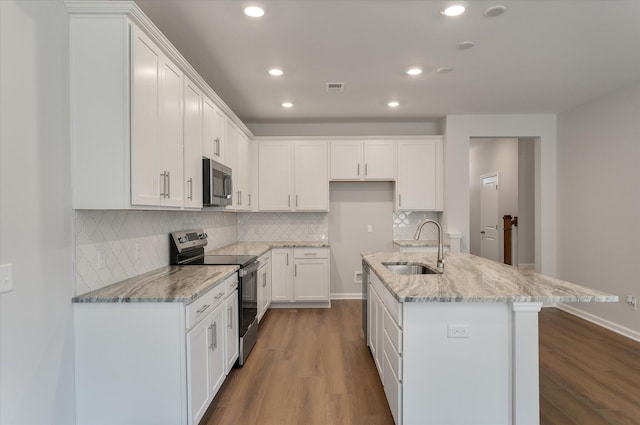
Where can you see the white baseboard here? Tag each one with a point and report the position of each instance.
(526, 266)
(619, 329)
(343, 296)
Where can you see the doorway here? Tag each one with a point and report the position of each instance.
(490, 198)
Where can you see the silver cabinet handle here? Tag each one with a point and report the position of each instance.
(287, 258)
(240, 197)
(203, 308)
(211, 330)
(230, 310)
(264, 279)
(168, 184)
(190, 181)
(358, 170)
(249, 200)
(310, 253)
(220, 295)
(399, 200)
(366, 169)
(215, 335)
(217, 140)
(295, 270)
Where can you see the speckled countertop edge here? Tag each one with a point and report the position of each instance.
(468, 278)
(259, 248)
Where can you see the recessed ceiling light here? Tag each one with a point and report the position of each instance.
(444, 70)
(494, 11)
(465, 45)
(254, 11)
(287, 105)
(276, 72)
(393, 104)
(415, 70)
(453, 10)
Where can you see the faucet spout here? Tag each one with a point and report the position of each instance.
(440, 263)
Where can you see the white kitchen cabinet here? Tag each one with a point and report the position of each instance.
(363, 160)
(293, 176)
(232, 331)
(193, 140)
(213, 140)
(420, 184)
(264, 284)
(242, 174)
(300, 276)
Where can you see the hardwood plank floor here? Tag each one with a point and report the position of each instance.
(312, 366)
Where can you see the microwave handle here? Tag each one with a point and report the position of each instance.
(227, 187)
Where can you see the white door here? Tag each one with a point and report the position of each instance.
(345, 160)
(281, 263)
(275, 171)
(380, 160)
(192, 145)
(311, 180)
(198, 370)
(311, 279)
(489, 217)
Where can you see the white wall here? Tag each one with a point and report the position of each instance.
(353, 206)
(526, 203)
(599, 200)
(459, 129)
(36, 333)
(488, 156)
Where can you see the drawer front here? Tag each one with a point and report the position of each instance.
(377, 284)
(205, 304)
(394, 307)
(264, 258)
(310, 253)
(231, 283)
(393, 330)
(395, 359)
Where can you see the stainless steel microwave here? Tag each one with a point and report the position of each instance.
(217, 184)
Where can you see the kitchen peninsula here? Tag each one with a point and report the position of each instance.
(460, 346)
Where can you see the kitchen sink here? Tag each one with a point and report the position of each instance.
(409, 268)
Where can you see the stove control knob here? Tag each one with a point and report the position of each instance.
(182, 239)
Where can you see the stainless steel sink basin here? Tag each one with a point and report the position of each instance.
(409, 268)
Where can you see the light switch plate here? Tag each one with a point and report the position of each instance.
(6, 278)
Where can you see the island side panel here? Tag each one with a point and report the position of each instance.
(456, 380)
(130, 363)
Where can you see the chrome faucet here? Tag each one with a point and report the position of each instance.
(440, 264)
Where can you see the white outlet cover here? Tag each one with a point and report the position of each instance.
(457, 331)
(6, 278)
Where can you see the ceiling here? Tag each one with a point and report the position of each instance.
(540, 56)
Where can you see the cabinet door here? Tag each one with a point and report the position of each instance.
(275, 176)
(231, 159)
(170, 132)
(311, 280)
(192, 145)
(380, 160)
(419, 185)
(233, 337)
(281, 276)
(145, 78)
(198, 370)
(345, 160)
(217, 350)
(311, 182)
(242, 177)
(213, 131)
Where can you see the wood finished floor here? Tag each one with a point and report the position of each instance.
(311, 366)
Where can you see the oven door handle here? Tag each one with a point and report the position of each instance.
(250, 268)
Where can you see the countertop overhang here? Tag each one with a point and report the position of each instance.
(469, 278)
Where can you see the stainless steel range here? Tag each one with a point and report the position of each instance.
(187, 248)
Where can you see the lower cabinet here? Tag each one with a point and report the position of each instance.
(158, 363)
(300, 276)
(385, 342)
(264, 284)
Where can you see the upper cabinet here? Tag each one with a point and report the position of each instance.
(238, 152)
(293, 176)
(420, 184)
(141, 117)
(363, 160)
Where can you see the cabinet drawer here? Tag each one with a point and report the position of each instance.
(204, 305)
(394, 307)
(395, 359)
(377, 284)
(310, 253)
(231, 283)
(393, 330)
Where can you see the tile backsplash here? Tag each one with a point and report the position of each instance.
(113, 245)
(281, 226)
(405, 224)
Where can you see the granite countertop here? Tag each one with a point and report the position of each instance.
(468, 278)
(261, 247)
(413, 242)
(167, 284)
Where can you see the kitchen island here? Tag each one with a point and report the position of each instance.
(461, 346)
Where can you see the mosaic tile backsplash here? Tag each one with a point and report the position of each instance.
(266, 226)
(405, 224)
(115, 245)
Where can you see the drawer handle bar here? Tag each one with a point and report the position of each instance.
(203, 308)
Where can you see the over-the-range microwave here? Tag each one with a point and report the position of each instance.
(217, 184)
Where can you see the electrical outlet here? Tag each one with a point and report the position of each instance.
(357, 277)
(370, 228)
(632, 302)
(457, 331)
(100, 261)
(6, 278)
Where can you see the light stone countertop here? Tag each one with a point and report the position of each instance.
(167, 284)
(259, 248)
(468, 278)
(418, 243)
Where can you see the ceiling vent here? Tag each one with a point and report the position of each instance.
(335, 87)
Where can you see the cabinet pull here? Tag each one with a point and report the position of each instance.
(399, 200)
(203, 308)
(215, 335)
(249, 200)
(190, 181)
(310, 253)
(220, 295)
(358, 170)
(295, 270)
(264, 279)
(217, 140)
(211, 330)
(230, 310)
(287, 258)
(366, 169)
(168, 184)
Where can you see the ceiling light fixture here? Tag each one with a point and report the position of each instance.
(415, 70)
(494, 11)
(393, 104)
(287, 105)
(444, 70)
(276, 72)
(254, 11)
(456, 9)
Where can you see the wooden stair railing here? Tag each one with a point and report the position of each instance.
(509, 222)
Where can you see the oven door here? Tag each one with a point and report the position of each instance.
(248, 293)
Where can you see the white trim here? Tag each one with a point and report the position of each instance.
(523, 306)
(342, 138)
(347, 296)
(526, 266)
(614, 327)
